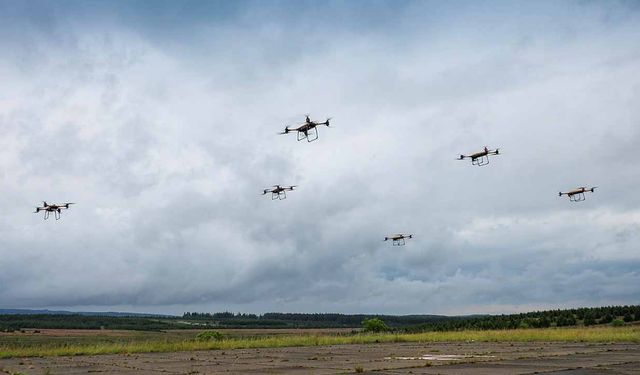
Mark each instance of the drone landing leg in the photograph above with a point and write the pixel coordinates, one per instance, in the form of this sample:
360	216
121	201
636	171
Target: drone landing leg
46	215
274	196
577	197
483	161
282	195
313	133
56	215
302	135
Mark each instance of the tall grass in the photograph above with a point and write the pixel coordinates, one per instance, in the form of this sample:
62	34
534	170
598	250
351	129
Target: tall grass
596	334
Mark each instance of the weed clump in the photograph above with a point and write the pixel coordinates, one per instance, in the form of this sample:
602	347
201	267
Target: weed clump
209	336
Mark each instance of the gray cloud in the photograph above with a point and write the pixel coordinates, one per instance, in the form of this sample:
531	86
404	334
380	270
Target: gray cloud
166	139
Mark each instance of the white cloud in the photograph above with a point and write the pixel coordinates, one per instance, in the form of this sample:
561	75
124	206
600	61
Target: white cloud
166	141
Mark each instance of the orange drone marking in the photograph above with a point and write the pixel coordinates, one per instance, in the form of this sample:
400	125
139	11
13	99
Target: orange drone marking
279	192
308	130
55	208
398	239
577	194
482	157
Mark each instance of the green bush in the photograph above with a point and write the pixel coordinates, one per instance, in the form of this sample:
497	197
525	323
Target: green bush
374	325
608	318
209	336
617	323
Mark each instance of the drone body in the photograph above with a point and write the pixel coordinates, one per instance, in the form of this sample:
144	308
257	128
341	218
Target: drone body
482	157
398	239
55	208
279	192
308	130
577	194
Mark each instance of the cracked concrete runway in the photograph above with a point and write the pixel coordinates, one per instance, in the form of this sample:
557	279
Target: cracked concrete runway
404	358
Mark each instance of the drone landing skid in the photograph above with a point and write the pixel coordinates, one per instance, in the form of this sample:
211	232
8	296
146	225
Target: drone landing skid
399	242
577	197
56	214
484	160
310	135
281	195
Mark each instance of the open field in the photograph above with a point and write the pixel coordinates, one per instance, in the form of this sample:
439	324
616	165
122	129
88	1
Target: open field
123	342
389	358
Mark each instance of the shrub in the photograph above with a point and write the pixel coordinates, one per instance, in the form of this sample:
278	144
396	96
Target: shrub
374	325
617	323
606	319
628	318
209	336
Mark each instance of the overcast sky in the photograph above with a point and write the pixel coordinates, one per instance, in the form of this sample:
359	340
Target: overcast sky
160	120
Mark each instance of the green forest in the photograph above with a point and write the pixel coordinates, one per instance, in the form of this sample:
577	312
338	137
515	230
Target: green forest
586	316
614	315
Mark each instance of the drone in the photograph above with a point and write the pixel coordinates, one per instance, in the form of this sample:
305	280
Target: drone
279	192
480	158
308	130
398	239
577	194
55	208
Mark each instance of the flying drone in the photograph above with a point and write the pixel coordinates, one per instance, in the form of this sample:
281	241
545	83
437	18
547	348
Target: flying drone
480	158
398	239
55	208
279	192
308	130
577	194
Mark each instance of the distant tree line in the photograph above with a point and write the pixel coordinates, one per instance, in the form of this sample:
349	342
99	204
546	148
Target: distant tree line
616	315
586	316
301	320
17	322
416	323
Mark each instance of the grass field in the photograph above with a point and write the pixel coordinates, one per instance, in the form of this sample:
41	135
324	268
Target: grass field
122	342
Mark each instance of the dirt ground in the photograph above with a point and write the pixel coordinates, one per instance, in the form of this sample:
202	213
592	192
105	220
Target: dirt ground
438	358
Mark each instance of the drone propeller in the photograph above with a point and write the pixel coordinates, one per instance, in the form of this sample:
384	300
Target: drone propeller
461	157
327	122
593	188
45	203
497	151
286	130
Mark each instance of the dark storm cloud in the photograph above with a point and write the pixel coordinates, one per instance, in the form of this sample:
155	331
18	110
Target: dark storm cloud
162	126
